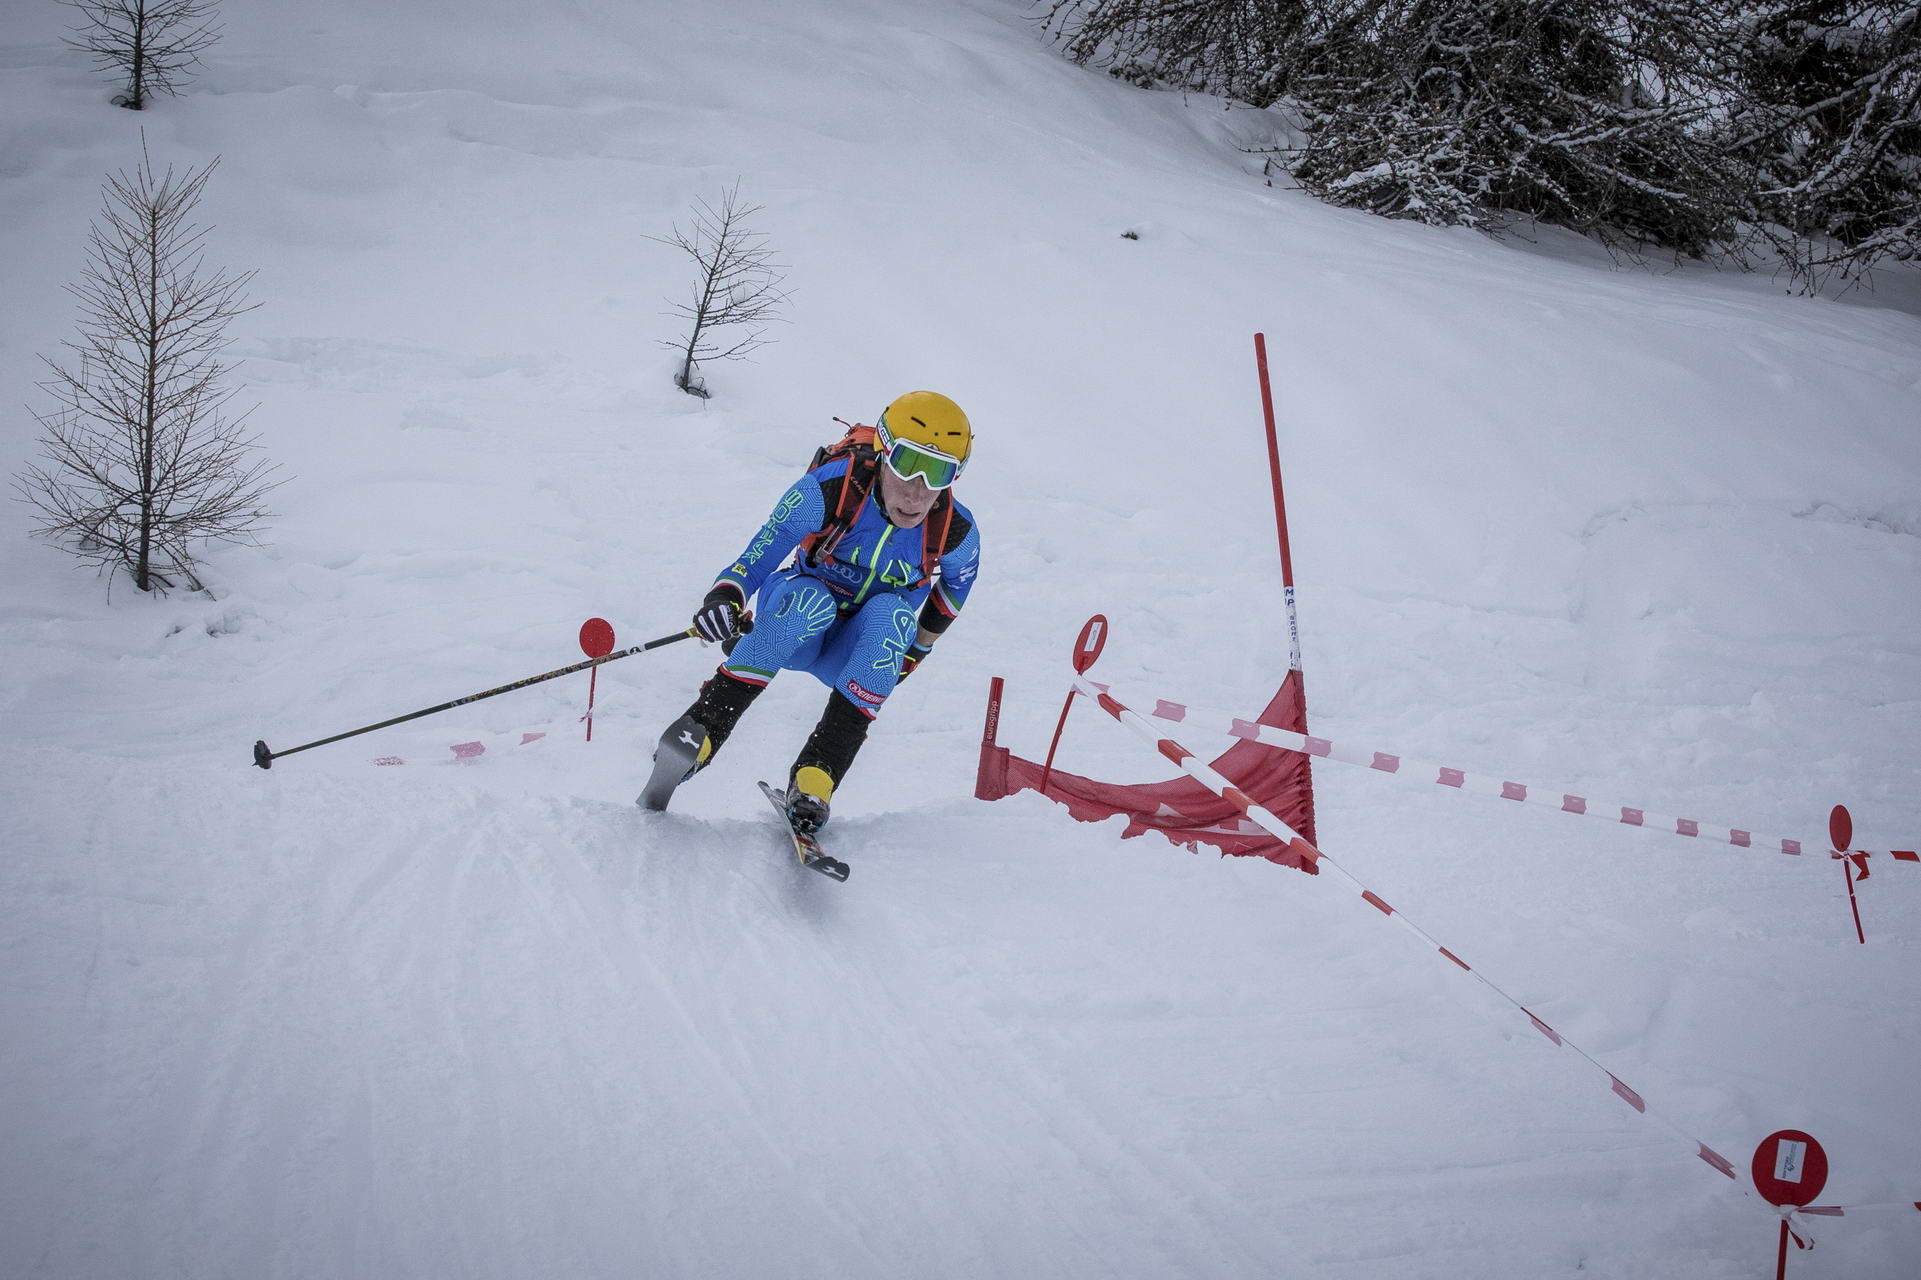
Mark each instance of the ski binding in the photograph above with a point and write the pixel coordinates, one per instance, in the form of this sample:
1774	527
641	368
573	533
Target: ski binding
806	847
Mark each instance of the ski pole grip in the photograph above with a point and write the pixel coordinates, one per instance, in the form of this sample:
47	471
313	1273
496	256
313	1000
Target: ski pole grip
741	628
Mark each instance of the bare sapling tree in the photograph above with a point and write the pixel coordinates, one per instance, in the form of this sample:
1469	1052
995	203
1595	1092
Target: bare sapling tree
738	288
151	43
142	462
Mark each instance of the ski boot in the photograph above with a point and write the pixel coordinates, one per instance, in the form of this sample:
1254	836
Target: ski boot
807	796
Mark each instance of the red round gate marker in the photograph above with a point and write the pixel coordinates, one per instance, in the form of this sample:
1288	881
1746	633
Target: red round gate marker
596	641
1090	642
1087	647
1790	1168
596	638
1841	835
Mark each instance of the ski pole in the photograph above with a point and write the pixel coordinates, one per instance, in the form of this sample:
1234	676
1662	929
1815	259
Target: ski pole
265	758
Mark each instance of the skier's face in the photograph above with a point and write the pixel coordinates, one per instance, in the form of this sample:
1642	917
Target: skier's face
906	502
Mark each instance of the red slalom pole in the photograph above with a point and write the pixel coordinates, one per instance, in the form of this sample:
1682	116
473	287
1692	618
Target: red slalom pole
1847	874
1280	505
593	682
1047	769
1294	669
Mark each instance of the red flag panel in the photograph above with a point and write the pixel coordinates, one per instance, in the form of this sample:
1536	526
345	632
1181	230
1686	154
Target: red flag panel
1181	809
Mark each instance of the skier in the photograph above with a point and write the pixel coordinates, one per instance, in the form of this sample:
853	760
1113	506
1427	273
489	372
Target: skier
884	558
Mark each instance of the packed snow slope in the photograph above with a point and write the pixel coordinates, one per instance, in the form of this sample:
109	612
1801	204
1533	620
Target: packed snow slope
1653	535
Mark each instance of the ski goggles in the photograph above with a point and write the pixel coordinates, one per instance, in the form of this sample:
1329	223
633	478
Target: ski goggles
911	461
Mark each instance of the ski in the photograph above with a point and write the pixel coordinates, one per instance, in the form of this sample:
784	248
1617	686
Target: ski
676	759
806	847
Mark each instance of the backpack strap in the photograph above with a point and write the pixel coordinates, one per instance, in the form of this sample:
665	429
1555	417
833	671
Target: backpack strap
931	544
863	466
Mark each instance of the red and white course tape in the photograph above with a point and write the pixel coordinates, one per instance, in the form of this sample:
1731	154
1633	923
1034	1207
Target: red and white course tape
1421	771
464	751
1225	788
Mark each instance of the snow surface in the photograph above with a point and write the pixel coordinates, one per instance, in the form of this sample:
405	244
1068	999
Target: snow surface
1651	535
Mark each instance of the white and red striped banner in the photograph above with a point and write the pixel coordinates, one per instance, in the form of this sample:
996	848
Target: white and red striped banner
1422	771
1225	788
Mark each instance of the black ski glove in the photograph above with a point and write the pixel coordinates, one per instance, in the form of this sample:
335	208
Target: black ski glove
718	618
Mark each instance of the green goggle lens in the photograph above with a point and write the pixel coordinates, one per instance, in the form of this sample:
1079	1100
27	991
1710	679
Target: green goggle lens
910	462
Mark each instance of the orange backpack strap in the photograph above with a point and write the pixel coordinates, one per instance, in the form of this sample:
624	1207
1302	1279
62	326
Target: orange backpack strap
857	446
932	545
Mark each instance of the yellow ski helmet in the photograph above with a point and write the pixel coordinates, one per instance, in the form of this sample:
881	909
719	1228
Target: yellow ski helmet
924	435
